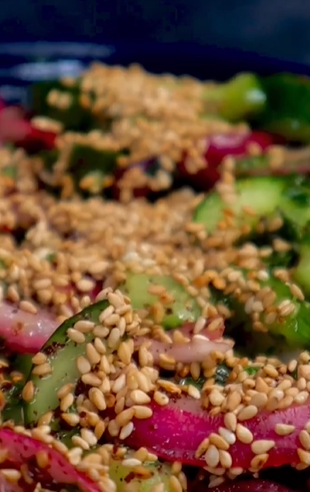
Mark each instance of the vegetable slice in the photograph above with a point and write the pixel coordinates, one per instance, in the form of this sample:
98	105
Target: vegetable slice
20	449
182	425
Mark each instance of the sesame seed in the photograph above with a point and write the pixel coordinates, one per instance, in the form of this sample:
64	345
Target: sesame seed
218	441
212	456
142	412
131	462
304	439
262	446
304	456
75	335
259	461
229	436
83	365
243	434
284	429
225	459
175	484
42	459
139	397
230	421
42	370
247	413
28	391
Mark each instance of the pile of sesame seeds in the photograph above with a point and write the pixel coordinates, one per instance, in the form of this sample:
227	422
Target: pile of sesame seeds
56	253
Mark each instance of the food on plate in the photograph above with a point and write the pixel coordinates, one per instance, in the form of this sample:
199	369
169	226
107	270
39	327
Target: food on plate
161	344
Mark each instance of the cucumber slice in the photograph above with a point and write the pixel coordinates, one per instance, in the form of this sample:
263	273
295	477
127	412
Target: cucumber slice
263	195
301	273
90	167
184	307
61	354
123	475
72	115
295	205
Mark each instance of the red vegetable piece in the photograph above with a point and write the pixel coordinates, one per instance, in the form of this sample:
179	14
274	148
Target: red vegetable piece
139	191
28	332
36	139
13	127
251	485
182	425
222	145
22	449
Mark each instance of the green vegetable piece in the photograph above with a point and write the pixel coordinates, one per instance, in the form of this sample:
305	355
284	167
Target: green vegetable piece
239	98
61	354
123	475
184	307
95	163
9	172
261	194
301	274
287	110
68	111
291	328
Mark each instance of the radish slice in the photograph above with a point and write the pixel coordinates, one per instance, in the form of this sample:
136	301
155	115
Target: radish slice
23	331
13	127
183	424
27	332
213	334
22	449
223	145
197	349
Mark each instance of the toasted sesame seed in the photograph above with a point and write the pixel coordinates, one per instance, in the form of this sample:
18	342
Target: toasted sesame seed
218	441
216	482
131	462
139	397
230	421
262	446
304	456
243	434
284	429
42	370
75	335
39	358
229	436
142	412
97	398
247	413
259	461
28	391
66	402
83	365
42	459
175	484
92	354
28	307
304	439
212	456
84	326
225	459
11	475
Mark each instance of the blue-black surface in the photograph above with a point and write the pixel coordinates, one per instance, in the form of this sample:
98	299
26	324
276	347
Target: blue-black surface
275	27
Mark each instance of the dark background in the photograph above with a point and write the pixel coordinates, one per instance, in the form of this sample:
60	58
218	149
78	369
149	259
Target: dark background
278	28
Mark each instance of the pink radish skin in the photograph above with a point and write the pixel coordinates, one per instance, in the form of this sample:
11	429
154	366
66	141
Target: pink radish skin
22	449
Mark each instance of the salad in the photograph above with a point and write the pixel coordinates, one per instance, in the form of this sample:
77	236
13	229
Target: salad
155	285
